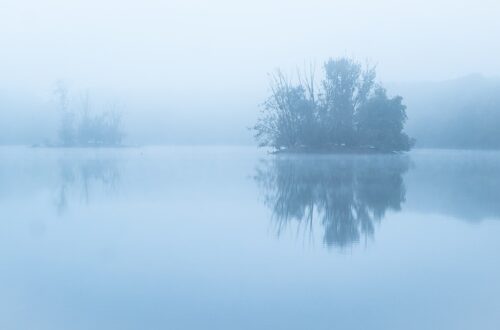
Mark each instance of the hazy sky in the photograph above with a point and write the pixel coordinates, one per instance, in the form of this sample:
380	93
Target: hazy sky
217	53
226	43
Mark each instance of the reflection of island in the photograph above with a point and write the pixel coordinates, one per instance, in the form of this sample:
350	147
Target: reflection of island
79	176
346	195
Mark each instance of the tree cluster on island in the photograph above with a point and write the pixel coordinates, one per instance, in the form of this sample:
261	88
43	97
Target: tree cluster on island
82	127
346	111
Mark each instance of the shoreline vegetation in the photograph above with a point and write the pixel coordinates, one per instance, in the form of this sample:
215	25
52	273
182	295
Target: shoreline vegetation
347	111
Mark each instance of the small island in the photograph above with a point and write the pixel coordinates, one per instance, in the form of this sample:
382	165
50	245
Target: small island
81	127
346	111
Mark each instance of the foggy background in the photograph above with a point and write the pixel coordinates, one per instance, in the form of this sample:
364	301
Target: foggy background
195	72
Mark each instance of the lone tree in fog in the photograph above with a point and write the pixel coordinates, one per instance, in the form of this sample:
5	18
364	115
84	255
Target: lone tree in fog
348	110
86	129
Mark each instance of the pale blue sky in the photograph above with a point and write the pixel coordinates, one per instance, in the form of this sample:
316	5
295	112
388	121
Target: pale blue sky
221	44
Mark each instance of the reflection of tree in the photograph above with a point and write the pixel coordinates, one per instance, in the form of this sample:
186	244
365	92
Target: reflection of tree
345	194
79	176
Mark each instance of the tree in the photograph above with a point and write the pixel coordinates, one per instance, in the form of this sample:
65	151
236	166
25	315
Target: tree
288	117
67	124
86	131
346	87
102	129
380	123
88	128
350	110
107	128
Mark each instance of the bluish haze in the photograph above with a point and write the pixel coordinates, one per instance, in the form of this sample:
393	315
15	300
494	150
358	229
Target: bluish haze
183	223
194	72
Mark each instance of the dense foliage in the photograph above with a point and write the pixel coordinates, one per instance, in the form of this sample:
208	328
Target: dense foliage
349	110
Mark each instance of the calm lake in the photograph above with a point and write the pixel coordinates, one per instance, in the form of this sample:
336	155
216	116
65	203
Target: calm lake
235	238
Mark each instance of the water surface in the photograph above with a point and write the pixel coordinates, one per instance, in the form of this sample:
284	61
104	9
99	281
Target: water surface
234	238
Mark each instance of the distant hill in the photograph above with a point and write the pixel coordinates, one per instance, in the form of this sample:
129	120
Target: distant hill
459	113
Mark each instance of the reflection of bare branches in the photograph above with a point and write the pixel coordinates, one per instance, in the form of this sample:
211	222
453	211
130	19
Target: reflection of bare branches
346	194
82	175
67	179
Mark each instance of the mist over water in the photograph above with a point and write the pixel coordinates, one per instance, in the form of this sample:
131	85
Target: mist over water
224	237
133	194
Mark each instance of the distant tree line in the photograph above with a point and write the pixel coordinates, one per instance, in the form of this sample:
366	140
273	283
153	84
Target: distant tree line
82	127
347	109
